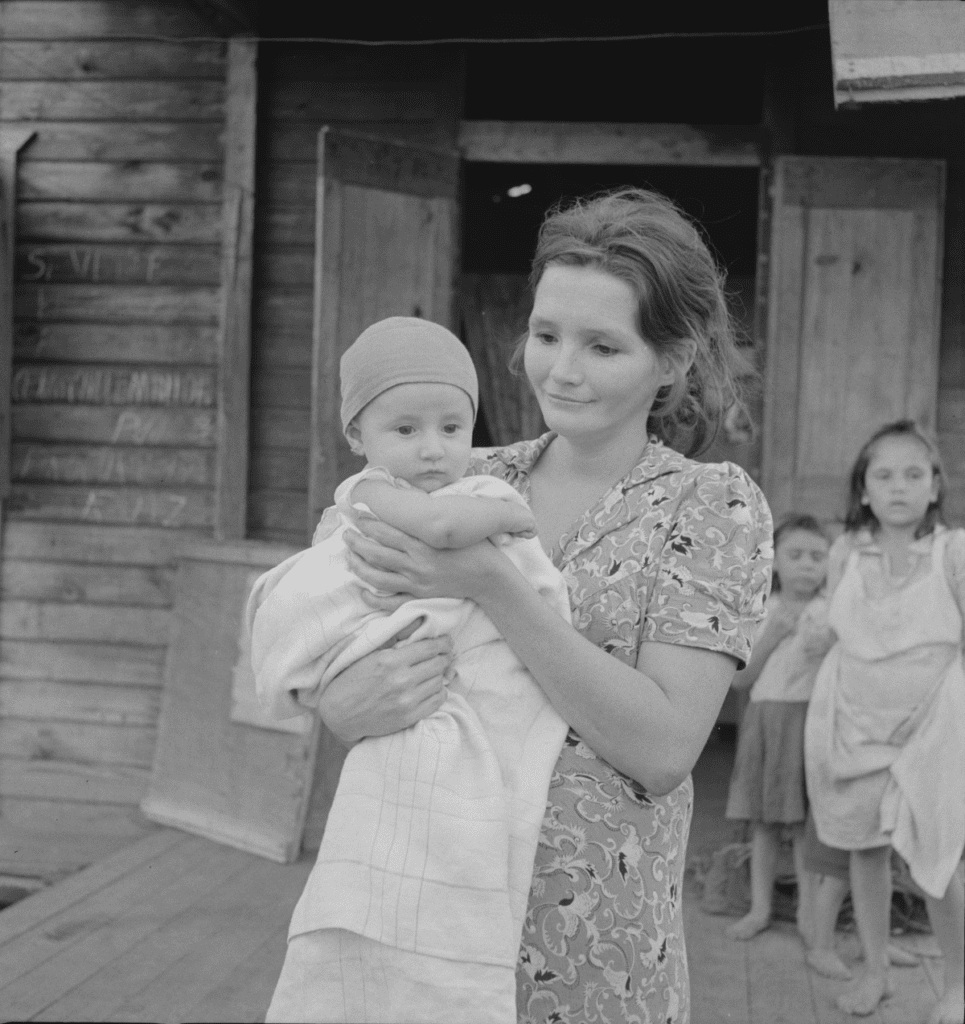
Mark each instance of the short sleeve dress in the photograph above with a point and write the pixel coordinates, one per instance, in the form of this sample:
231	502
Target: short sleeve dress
676	552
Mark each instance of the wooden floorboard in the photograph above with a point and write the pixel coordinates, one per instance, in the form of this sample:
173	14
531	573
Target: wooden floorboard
718	968
179	928
27	913
780	992
245	994
70	924
253	913
173	938
122	917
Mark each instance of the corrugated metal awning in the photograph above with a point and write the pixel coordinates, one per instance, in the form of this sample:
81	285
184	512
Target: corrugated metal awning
897	50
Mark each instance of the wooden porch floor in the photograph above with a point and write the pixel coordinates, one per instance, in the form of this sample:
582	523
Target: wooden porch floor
177	928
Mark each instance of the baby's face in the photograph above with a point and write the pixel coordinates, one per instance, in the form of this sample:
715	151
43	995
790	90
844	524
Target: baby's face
421	433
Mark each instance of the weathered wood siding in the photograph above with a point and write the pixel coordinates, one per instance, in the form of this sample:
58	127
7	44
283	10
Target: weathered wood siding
906	130
408	93
113	398
951	368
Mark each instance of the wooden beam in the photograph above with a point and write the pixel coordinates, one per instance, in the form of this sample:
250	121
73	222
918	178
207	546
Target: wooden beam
231	495
11	142
587	142
229	16
897	50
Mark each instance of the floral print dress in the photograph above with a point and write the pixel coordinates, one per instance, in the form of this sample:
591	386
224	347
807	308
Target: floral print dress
676	552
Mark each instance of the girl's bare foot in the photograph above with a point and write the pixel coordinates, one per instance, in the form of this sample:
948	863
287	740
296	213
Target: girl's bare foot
747	927
862	999
898	956
828	964
950	1009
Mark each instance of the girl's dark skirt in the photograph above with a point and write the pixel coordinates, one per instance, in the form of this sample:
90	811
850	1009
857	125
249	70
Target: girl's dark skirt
767	785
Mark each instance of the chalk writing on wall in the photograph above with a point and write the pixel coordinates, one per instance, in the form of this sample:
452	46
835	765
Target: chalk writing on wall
88	264
108	465
152	508
95	385
133	428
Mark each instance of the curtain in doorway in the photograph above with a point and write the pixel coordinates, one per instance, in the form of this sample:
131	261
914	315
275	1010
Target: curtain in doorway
493	310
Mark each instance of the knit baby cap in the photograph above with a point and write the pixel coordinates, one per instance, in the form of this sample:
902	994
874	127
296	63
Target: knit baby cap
403	350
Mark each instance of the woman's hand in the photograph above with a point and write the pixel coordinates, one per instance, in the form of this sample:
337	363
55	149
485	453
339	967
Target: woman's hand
387	690
400	565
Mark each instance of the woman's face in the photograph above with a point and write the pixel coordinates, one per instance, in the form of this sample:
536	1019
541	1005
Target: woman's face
593	374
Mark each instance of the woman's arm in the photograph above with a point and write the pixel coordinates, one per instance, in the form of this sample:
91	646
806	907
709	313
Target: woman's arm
650	721
452	521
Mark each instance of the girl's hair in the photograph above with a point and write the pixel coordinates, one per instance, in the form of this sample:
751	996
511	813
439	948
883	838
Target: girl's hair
789	524
859	515
799	522
643	239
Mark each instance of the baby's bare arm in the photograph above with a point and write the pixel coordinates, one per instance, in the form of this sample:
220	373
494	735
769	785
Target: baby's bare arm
453	521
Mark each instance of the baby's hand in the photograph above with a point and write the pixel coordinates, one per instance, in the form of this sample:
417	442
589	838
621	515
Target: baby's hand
520	522
782	621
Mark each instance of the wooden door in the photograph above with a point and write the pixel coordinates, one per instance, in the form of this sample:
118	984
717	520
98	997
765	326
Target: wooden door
852	318
384	246
385	234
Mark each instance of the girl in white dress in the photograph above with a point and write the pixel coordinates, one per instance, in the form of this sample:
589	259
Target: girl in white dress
885	730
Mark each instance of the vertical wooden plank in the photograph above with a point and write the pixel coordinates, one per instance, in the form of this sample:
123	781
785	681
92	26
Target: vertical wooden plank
925	315
236	284
12	141
323	467
788	234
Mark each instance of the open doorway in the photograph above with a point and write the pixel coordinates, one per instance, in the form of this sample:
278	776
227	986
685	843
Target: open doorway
503	206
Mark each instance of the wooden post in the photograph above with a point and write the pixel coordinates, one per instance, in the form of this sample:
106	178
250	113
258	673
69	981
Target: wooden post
11	142
231	479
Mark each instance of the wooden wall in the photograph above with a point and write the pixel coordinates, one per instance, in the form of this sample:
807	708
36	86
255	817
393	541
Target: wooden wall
913	129
114	391
116	355
408	93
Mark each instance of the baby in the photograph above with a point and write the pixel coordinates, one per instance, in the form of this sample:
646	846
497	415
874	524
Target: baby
427	857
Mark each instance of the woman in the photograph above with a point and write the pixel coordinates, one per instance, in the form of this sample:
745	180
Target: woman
667	561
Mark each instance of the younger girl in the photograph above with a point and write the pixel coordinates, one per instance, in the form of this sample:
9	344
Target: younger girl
767	786
884	745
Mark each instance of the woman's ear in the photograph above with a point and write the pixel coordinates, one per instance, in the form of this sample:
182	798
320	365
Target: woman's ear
354	437
676	359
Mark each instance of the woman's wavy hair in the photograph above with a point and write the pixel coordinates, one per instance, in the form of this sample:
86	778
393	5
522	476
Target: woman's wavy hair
790	523
642	238
859	515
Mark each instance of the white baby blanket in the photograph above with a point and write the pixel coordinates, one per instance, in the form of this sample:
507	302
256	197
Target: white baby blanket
430	842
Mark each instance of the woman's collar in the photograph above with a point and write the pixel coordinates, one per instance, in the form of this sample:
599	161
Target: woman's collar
656	459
